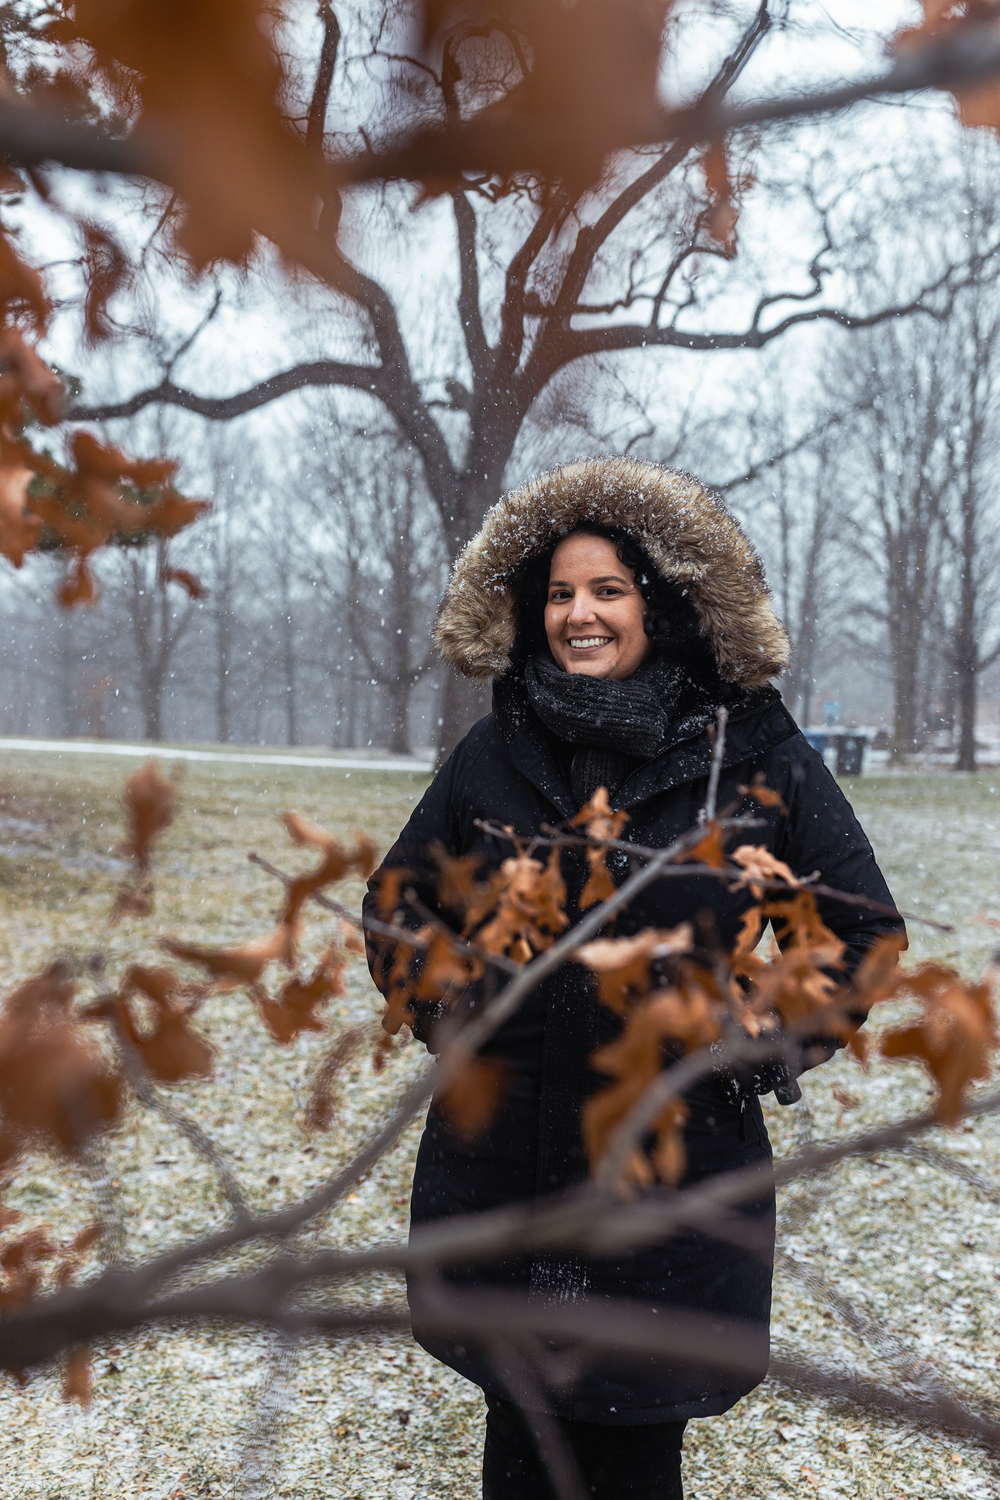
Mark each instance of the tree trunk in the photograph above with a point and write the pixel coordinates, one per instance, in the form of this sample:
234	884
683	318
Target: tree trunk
222	659
398	694
967	647
904	737
967	699
291	695
152	709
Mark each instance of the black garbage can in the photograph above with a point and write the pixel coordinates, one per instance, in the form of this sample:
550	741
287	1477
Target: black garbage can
850	754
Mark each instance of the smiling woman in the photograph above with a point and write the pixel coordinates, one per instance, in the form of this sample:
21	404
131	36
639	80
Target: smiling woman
616	606
595	618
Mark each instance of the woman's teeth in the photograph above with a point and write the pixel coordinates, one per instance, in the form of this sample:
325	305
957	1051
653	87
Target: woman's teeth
584	643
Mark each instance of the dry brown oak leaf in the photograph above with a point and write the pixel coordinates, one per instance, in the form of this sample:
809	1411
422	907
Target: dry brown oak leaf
294	1010
242	965
334	865
622	964
708	850
599	821
953	1038
760	868
171	1050
205	79
687	1016
591	85
149	804
529	914
56	1087
978	103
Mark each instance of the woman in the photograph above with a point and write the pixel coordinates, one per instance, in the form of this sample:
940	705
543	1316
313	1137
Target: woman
616	606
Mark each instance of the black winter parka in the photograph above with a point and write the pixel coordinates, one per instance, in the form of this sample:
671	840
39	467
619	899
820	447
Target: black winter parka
533	1146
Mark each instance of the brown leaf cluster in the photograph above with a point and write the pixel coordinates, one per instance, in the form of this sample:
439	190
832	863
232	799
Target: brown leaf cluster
680	1017
294	1009
24	1262
56	1087
598	821
169	1047
799	988
529	911
518	911
685	1015
954	1037
202	82
103	494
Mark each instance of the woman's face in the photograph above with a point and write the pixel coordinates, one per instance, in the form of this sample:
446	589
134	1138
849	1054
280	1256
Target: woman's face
595	614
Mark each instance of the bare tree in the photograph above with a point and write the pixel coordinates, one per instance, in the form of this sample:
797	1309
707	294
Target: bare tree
547	275
157	613
377	566
898	460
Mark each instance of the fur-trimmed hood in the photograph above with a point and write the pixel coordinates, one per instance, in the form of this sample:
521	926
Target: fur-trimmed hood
687	531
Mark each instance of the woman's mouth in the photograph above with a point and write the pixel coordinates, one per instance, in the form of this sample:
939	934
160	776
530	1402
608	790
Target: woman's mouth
589	642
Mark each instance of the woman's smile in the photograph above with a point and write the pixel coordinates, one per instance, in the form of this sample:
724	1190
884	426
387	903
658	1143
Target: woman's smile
595	617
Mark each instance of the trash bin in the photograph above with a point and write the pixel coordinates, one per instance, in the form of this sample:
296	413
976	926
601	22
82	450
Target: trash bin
850	754
818	741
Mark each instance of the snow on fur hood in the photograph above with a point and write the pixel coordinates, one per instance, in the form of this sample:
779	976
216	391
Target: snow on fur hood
687	531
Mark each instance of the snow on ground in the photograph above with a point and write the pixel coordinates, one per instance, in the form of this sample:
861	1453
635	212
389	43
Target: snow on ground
885	1266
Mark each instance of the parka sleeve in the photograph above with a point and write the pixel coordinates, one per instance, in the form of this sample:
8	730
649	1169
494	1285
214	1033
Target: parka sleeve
432	822
820	832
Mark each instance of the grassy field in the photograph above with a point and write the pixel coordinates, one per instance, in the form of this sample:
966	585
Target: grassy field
883	1264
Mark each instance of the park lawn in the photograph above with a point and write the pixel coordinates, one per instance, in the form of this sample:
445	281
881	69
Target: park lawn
882	1263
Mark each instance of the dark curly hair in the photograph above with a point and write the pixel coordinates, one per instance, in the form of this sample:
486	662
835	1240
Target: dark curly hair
672	623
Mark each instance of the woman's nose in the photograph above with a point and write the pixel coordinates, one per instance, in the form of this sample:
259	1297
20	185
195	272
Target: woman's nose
582	609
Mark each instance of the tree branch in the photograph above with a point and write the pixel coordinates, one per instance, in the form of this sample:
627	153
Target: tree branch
318	104
320	372
469	312
625	336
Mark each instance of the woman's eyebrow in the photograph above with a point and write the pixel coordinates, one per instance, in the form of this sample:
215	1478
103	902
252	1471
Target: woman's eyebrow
604	578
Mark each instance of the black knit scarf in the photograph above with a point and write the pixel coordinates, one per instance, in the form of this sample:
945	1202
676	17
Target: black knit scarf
611	725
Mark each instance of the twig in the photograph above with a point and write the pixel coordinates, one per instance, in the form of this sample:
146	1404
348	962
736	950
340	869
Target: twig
94	1160
372	924
319	1107
254	1481
718	738
586	1221
146	1092
945	1162
940	1412
460	944
552	836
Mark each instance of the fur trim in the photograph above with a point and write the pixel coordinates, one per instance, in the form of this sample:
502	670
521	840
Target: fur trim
687	531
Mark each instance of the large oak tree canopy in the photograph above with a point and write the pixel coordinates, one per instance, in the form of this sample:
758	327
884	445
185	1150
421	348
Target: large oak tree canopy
585	200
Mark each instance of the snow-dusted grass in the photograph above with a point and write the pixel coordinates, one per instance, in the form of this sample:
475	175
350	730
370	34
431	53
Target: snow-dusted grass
885	1266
